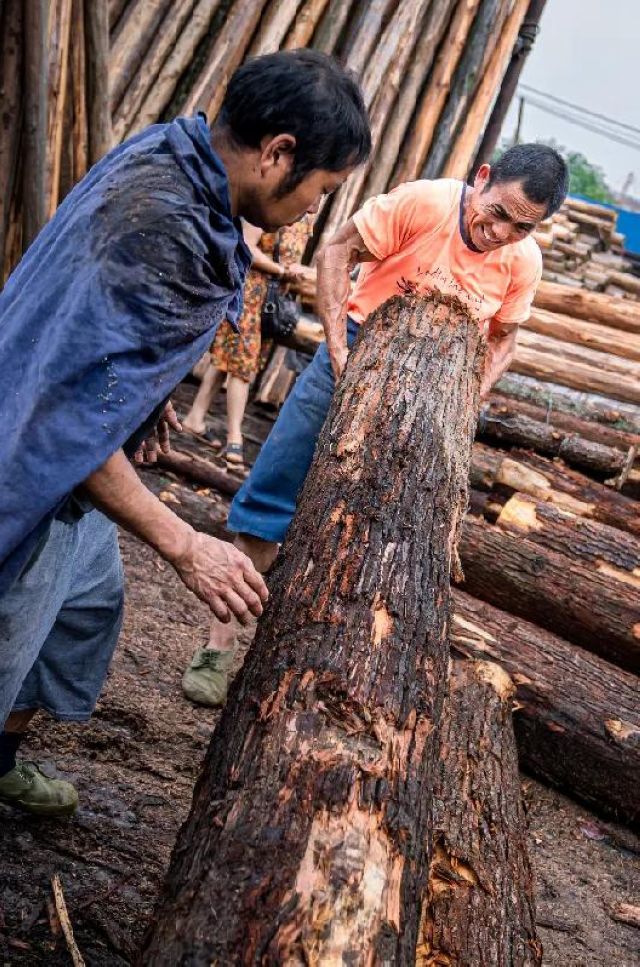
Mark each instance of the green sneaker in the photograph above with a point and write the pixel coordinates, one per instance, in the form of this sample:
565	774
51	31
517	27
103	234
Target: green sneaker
29	789
206	680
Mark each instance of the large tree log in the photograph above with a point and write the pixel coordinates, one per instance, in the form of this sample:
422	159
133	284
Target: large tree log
555	483
567	422
226	53
572	365
592	306
463	85
588	406
306	839
606	549
419	66
163	39
592	335
463	149
416	146
177	62
521	431
578	717
96	28
479	909
583	605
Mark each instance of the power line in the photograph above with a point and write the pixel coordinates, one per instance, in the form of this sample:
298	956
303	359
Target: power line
565	116
578	107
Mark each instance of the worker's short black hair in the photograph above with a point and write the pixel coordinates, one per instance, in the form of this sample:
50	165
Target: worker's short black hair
542	171
306	94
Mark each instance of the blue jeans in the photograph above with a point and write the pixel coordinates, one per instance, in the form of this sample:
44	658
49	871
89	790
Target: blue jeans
265	504
59	622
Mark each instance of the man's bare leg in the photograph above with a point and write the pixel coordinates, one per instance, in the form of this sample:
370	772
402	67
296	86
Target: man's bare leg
212	381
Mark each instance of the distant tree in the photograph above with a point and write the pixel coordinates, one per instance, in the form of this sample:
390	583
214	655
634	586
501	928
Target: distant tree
585	178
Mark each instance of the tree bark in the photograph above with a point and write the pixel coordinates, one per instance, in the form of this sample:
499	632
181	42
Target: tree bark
589	406
586	428
134	37
416	146
554	483
592	306
11	73
96	29
306	839
463	85
35	119
400	119
571	365
577	721
148	67
479	907
520	431
585	606
591	335
606	549
226	53
163	88
463	149
273	27
305	24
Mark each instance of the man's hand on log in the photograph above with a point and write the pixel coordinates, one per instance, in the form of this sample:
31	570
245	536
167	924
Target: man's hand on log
223	577
159	441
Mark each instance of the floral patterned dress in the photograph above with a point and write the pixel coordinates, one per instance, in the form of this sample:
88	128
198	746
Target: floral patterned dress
244	353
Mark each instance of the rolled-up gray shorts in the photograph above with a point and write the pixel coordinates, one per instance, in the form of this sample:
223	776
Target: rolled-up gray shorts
60	621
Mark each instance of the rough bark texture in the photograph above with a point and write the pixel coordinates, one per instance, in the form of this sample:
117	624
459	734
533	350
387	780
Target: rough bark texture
577	718
306	839
584	606
521	431
606	549
479	908
593	306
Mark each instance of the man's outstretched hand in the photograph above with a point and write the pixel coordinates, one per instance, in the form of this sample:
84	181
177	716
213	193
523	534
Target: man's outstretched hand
159	441
221	576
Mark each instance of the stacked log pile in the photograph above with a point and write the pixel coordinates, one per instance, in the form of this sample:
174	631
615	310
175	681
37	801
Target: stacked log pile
78	77
581	247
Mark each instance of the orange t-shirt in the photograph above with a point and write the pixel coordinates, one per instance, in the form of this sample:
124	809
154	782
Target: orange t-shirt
414	233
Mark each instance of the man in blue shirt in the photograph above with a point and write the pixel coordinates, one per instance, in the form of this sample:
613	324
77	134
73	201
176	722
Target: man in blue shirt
112	305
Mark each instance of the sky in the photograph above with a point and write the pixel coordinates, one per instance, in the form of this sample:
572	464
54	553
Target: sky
587	52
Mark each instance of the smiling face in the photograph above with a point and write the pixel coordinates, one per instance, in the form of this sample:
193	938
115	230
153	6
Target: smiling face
499	215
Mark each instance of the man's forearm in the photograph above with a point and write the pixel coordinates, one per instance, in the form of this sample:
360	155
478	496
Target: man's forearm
333	290
118	492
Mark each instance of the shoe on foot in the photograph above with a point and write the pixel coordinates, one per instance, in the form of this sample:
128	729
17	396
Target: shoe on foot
29	789
206	680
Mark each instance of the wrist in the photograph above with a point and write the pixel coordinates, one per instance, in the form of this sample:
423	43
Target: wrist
174	541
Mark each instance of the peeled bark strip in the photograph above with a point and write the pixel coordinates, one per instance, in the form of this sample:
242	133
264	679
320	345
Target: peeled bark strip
479	908
592	306
306	839
520	431
608	550
577	718
571	599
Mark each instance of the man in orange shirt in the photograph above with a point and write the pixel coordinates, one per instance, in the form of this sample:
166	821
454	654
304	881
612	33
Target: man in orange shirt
473	241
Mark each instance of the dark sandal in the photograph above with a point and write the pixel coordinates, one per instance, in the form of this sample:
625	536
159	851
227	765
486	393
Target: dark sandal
234	456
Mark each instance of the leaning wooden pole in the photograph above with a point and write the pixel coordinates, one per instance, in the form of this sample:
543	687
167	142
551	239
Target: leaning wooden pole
305	842
479	908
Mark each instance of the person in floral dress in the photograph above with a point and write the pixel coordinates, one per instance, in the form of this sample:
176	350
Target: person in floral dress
239	356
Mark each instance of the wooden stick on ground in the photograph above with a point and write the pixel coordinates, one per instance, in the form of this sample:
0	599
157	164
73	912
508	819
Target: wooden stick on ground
65	922
311	814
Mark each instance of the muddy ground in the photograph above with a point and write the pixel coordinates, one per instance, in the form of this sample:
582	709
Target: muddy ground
135	765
